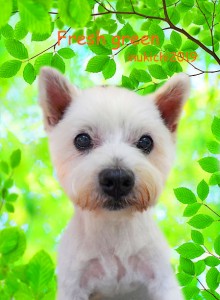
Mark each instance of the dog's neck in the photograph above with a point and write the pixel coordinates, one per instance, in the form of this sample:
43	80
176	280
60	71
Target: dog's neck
108	229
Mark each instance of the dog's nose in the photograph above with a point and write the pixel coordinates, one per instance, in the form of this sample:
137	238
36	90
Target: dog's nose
116	182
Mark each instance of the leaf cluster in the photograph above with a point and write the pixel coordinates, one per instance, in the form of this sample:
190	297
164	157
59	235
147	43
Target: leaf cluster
196	260
33	280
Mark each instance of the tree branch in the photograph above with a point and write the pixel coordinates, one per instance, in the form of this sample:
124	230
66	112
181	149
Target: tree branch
165	19
132	6
211	209
207	251
128	44
212	27
207	22
206	289
128	13
102	5
52	46
201	45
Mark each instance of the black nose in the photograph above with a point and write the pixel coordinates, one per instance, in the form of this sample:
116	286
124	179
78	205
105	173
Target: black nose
116	182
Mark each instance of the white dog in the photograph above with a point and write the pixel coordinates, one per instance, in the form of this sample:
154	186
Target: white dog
112	150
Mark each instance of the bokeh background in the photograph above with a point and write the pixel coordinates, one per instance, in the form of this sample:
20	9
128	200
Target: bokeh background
42	209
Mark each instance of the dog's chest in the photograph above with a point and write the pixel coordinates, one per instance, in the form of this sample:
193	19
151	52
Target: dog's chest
110	273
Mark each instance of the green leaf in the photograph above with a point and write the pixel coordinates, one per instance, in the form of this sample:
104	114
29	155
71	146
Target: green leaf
188	2
176	39
217	245
20	31
8	239
140	75
6	10
130	51
157	71
38	37
7	31
189	45
100	49
123	5
12	197
59	24
149	50
4	166
10	68
4	193
109	69
197	237
127	83
199	267
66	53
209	295
214	147
16	48
24	293
173	15
145	26
190	291
34	14
43	60
184	279
216	128
201	221
9	207
29	73
202	190
215	179
210	164
126	30
97	63
40	272
191	209
185	195
194	30
212	278
58	63
156	34
18	250
8	183
187	265
15	158
74	13
212	261
149	89
190	250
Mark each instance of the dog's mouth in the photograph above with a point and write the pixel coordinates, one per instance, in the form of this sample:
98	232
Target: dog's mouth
113	204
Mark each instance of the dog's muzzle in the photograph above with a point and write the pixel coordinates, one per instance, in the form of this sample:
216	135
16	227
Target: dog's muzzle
116	184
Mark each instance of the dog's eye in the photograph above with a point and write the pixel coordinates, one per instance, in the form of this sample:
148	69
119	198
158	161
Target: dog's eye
145	143
83	141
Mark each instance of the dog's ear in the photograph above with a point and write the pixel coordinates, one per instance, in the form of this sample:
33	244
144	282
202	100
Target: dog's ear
55	95
170	99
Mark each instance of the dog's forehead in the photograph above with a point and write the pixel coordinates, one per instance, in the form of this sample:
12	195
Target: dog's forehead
113	107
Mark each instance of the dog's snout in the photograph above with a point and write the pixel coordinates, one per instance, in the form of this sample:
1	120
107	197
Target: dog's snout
116	182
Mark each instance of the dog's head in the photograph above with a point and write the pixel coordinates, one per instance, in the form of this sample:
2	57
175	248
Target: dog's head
112	148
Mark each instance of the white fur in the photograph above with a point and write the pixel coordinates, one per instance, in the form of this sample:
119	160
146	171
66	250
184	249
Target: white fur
113	254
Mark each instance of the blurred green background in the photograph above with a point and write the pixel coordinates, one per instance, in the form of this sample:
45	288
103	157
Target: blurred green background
42	209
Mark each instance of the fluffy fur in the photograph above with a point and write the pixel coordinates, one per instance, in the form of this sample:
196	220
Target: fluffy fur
112	254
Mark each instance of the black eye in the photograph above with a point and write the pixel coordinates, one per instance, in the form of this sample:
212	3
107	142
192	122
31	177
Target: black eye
83	141
145	143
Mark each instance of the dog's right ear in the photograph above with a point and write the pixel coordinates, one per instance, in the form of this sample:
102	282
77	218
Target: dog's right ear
55	95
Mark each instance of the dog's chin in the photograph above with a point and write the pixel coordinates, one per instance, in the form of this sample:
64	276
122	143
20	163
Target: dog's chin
113	204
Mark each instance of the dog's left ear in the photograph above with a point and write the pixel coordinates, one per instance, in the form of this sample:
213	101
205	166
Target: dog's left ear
170	99
55	95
